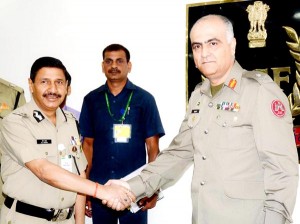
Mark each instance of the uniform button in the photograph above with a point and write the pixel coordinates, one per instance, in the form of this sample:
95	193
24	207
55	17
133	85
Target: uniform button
224	124
210	104
112	171
46	153
204	157
62	199
206	131
202	183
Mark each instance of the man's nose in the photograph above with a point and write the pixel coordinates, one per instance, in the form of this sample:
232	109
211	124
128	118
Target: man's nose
114	64
205	51
53	87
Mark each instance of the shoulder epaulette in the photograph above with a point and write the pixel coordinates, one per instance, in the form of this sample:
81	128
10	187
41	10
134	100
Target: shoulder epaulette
11	85
198	85
260	77
21	114
68	114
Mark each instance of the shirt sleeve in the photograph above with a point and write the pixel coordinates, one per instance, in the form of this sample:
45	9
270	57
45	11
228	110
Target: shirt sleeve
153	124
85	120
274	218
168	167
18	142
273	130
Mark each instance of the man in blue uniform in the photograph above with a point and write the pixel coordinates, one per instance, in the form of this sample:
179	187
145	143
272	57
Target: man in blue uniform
117	120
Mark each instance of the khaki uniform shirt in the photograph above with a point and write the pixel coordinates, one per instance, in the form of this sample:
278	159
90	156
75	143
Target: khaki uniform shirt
242	145
27	135
11	97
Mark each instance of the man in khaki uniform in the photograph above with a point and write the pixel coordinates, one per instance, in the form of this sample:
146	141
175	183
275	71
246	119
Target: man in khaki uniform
43	165
238	133
11	97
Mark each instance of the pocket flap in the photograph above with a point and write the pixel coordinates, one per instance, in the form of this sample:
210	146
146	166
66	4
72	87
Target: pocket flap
245	189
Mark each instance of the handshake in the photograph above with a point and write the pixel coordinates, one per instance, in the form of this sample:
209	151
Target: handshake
116	194
123	196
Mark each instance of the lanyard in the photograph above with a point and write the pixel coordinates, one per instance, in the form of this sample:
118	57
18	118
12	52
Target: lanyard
126	108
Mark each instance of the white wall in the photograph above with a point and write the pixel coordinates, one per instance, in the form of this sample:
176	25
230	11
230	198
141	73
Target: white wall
76	31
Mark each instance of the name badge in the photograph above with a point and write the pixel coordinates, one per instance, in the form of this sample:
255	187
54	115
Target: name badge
195	111
43	141
66	162
122	133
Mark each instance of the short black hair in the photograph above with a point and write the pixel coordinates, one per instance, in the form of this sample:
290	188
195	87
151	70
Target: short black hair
117	47
48	62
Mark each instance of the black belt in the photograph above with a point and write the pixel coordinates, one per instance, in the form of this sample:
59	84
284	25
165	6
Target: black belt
48	214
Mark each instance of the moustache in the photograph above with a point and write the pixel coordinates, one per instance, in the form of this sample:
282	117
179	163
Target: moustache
114	70
57	95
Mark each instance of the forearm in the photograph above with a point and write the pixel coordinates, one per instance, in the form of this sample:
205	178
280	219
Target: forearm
87	147
80	209
160	174
167	168
152	144
61	178
113	196
137	186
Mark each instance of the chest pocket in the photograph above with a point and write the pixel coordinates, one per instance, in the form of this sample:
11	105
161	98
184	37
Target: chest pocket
44	141
233	131
44	145
193	118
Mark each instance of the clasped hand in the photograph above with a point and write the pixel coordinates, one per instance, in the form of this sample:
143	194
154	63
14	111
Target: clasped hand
118	195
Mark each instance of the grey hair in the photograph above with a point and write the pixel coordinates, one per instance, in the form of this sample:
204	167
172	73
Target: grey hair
227	22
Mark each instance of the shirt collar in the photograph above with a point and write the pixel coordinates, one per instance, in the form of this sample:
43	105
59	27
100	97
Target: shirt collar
37	114
129	85
233	81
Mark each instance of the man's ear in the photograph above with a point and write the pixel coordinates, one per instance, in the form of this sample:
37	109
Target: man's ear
68	90
30	83
233	45
129	67
102	66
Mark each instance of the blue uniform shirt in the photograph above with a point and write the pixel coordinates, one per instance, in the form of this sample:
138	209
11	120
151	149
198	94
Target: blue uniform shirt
111	159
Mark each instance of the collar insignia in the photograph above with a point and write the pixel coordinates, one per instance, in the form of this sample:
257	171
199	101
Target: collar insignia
38	116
